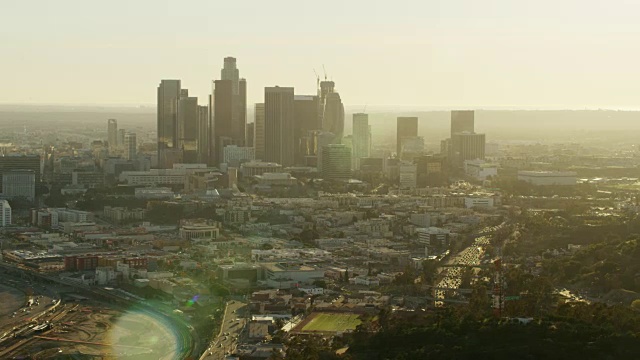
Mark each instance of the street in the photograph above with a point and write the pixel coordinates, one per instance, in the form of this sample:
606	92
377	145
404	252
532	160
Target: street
232	324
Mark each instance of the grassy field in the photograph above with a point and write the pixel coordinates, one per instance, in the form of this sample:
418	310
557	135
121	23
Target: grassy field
331	322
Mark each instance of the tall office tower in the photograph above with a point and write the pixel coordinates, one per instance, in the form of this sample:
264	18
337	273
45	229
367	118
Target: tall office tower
462	121
19	183
112	133
188	127
230	72
229	108
467	146
48	163
120	140
20	162
258	131
168	95
203	134
278	125
305	109
331	110
5	213
361	139
407	128
249	137
336	161
130	146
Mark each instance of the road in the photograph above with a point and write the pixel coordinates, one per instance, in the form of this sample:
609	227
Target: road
232	324
470	256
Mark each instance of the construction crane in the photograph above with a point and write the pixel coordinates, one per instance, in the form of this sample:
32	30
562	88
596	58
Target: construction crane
317	79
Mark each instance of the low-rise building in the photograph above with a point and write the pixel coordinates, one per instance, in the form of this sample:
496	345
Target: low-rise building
546	178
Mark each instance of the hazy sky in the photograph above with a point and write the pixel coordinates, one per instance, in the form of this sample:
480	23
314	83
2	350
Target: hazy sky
458	53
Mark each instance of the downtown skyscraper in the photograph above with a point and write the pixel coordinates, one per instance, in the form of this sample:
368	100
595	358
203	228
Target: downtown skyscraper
407	128
279	125
462	121
331	110
167	122
361	139
112	133
228	111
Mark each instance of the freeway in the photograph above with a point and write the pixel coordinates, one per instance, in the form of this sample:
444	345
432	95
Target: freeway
470	257
230	330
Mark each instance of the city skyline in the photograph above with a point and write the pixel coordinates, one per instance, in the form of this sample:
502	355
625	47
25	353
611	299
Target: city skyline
509	43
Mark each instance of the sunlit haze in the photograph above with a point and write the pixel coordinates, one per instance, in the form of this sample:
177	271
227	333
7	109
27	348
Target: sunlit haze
496	53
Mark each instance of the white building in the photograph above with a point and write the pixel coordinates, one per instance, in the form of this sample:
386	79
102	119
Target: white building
254	168
434	237
545	178
153	177
480	201
480	169
199	231
74	216
276	179
154	193
5	213
105	274
287	275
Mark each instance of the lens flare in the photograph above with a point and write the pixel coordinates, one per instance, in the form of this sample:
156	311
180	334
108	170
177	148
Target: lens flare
141	333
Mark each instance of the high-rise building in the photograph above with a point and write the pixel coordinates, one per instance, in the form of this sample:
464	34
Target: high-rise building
467	146
333	119
230	72
331	110
5	213
258	130
203	134
167	114
188	127
112	133
229	108
361	139
336	161
130	146
278	125
462	121
120	140
407	128
20	162
306	119
19	183
249	136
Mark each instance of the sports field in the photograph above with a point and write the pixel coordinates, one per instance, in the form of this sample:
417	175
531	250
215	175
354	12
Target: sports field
332	322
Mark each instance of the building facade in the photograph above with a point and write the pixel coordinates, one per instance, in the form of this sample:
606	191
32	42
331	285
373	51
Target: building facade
336	161
167	118
407	127
279	121
361	139
19	183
